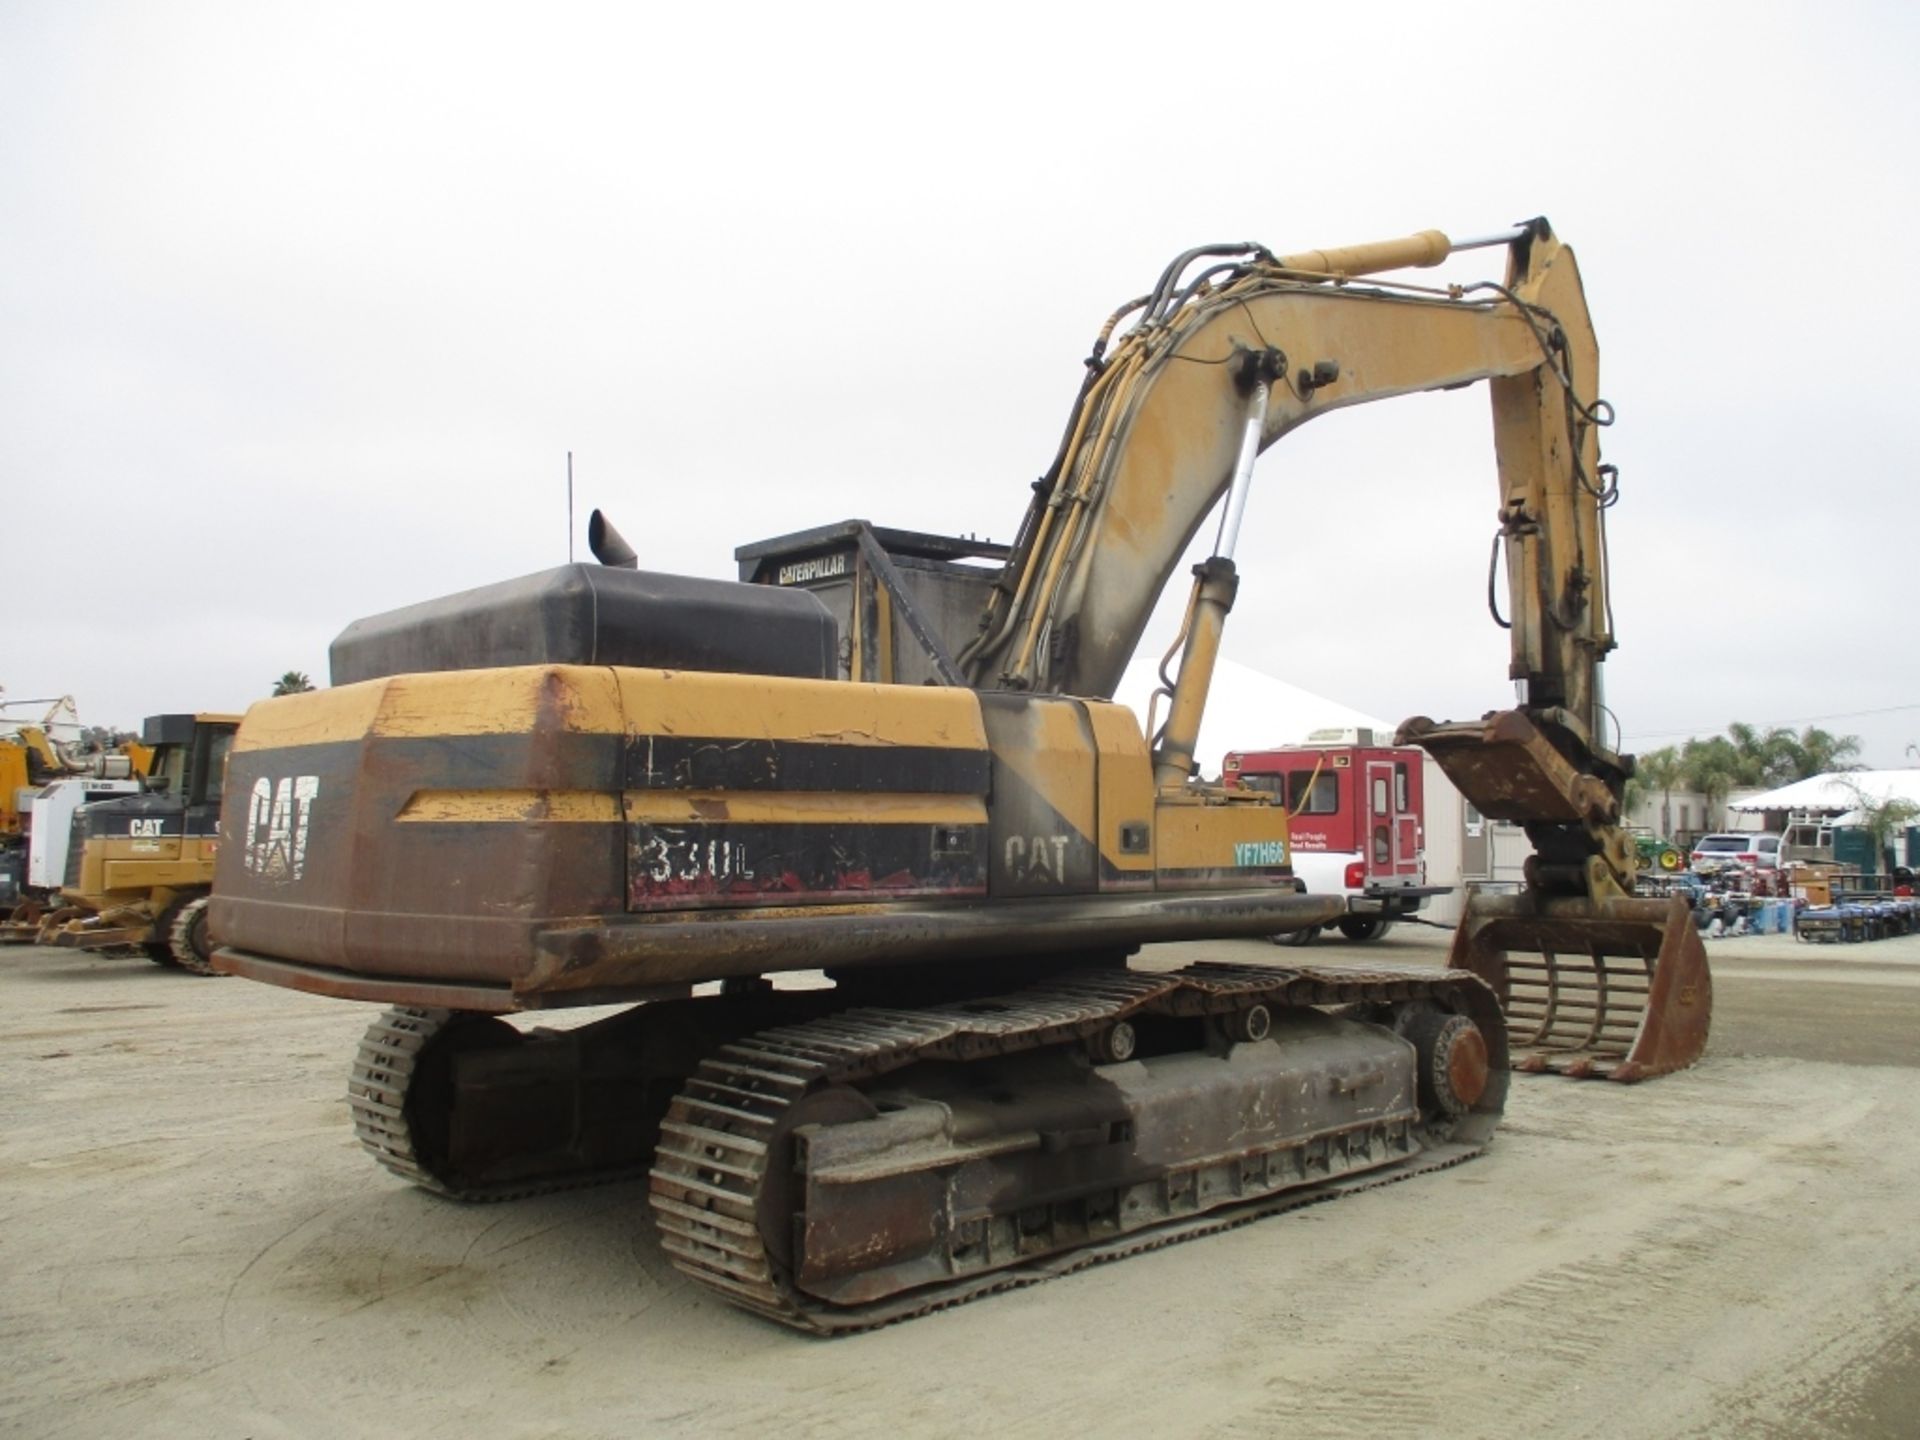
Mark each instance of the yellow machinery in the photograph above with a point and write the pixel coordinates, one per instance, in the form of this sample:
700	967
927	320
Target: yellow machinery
902	769
139	867
27	761
31	761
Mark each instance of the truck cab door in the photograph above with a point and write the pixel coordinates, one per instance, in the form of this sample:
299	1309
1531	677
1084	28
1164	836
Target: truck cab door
1406	822
1378	835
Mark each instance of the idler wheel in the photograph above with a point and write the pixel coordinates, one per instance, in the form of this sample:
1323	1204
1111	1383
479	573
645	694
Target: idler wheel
1113	1045
1251	1024
1454	1069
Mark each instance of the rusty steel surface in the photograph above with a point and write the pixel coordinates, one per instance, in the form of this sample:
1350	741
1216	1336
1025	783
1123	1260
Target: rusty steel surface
608	957
758	1198
1616	989
561	851
621	958
83	935
338	985
1508	769
1468	1067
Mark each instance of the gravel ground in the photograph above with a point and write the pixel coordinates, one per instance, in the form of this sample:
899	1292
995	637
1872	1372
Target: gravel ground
192	1243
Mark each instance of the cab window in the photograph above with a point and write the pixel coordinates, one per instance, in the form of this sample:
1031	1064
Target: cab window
213	773
1311	794
169	769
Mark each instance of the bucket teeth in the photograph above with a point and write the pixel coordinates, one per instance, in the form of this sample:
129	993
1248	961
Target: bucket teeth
1612	988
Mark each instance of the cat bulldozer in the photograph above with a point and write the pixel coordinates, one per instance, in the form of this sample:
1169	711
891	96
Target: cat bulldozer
891	760
138	868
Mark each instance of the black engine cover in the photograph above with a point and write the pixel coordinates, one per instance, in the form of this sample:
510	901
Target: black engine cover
596	615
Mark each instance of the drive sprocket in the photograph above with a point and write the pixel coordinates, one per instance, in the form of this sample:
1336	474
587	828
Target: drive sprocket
187	941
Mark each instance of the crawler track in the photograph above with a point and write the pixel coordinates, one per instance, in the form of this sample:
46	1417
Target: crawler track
720	1150
385	1067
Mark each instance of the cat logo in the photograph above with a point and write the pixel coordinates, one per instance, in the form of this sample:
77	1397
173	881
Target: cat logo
279	816
146	829
1041	860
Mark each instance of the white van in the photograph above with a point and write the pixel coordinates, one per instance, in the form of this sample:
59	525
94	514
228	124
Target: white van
1758	849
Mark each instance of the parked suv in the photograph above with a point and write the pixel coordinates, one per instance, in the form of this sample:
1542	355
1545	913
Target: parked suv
1762	850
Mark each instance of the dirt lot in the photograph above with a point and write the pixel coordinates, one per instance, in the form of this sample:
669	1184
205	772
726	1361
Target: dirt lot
192	1243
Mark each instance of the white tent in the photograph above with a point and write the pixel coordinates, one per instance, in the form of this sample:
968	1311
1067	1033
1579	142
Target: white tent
1247	710
1836	792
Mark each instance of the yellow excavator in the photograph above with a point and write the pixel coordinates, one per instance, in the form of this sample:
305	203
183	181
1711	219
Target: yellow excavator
893	761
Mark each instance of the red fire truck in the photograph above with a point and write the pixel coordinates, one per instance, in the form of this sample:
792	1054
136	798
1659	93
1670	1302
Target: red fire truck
1358	822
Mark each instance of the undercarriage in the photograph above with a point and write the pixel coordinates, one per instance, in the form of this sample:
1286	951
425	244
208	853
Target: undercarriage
835	1165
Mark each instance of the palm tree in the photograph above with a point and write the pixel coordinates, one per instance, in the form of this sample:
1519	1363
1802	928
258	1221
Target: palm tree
1815	752
1662	771
294	682
1711	767
1761	756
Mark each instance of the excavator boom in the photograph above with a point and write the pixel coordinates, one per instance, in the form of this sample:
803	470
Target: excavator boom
1156	440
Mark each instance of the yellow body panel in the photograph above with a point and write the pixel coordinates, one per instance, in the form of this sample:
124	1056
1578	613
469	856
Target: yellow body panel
137	875
510	806
1192	837
1053	761
1125	785
802	807
13	779
112	871
688	807
755	707
601	700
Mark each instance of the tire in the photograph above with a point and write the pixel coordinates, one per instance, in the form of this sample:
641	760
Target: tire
187	939
1296	937
1362	928
1669	860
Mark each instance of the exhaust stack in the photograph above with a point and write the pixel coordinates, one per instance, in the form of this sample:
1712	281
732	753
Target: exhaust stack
608	545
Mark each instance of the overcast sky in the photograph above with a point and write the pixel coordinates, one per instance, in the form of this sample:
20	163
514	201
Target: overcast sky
303	306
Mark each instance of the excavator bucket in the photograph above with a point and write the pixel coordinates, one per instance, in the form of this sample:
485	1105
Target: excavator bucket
1610	986
1616	988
